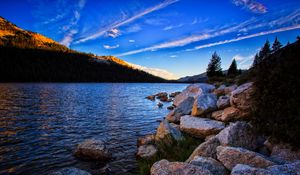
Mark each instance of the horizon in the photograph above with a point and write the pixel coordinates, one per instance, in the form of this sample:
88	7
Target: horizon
173	38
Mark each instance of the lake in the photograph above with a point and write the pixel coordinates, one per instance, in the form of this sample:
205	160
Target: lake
41	124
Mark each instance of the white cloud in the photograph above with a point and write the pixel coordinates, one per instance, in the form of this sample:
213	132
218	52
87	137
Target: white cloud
111	47
244	62
157	72
127	21
113	33
251	5
173	56
172	27
132	41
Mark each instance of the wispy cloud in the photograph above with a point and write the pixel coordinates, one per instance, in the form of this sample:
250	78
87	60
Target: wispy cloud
131	41
114	33
244	62
246	37
173	27
111	47
173	56
251	5
71	28
126	21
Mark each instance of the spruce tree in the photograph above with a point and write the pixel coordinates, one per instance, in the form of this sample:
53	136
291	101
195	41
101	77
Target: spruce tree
276	45
256	61
232	71
265	50
214	67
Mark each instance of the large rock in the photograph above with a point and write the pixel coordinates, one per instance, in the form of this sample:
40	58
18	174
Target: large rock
164	167
217	115
166	132
223	102
241	97
193	91
204	103
146	151
70	171
239	134
200	127
284	153
231	156
229	89
93	150
184	108
211	164
220	90
146	140
286	169
206	149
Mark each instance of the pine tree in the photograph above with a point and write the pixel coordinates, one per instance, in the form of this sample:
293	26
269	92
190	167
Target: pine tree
232	71
214	67
265	50
276	45
256	61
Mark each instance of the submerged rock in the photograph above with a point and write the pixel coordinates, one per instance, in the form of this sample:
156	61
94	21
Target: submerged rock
146	151
193	91
93	150
200	127
239	134
160	105
211	164
204	103
231	156
70	171
164	167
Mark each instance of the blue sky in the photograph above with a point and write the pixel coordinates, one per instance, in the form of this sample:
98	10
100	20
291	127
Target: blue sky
171	38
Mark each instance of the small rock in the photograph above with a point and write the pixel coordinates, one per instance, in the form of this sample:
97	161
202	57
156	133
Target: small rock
164	167
170	107
231	156
204	103
239	134
241	97
200	127
223	102
166	132
146	151
174	94
231	114
217	115
206	149
146	140
160	105
211	164
151	97
70	171
92	150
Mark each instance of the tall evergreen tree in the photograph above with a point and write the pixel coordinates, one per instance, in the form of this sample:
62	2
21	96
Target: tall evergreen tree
256	61
265	50
276	45
232	71
214	67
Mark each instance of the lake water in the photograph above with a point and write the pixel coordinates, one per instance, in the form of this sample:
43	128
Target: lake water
40	124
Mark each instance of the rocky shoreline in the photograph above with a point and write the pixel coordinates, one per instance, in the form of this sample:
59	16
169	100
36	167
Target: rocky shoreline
220	116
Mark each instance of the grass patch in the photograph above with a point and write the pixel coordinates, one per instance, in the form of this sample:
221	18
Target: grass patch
172	151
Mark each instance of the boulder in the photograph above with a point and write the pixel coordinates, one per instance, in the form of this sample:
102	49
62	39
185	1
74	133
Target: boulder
220	90
229	89
231	156
166	132
161	95
211	164
200	127
193	91
93	150
174	94
204	103
239	134
146	140
241	97
223	102
217	115
70	171
146	151
164	167
286	169
284	153
206	149
231	114
184	108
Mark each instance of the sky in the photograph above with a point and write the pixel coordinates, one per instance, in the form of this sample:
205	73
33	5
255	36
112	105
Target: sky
169	38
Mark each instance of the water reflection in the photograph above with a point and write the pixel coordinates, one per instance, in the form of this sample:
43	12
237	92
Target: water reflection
40	124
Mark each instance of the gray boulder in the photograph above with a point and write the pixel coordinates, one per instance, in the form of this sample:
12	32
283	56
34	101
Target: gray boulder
184	108
211	164
146	151
223	102
200	127
284	153
239	134
204	103
147	139
166	132
164	167
70	171
241	169
231	156
241	97
93	149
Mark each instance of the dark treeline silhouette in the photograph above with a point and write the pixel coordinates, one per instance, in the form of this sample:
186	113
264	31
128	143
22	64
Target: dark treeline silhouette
38	65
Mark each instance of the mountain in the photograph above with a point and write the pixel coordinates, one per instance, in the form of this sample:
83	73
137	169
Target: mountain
27	56
193	79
